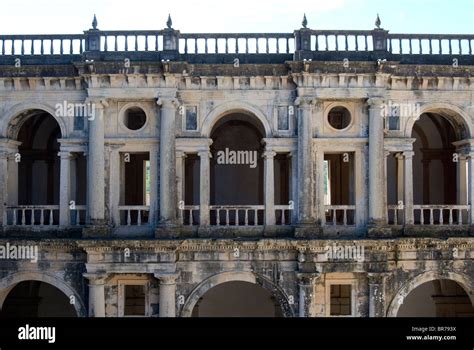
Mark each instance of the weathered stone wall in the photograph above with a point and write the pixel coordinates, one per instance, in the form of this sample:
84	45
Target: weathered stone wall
288	267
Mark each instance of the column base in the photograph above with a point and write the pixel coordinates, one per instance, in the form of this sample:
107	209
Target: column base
275	231
204	232
308	230
168	231
379	231
471	230
96	230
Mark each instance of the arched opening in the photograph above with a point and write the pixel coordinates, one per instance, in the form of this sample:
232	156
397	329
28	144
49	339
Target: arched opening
244	179
237	159
39	165
34	172
37	299
236	174
437	169
237	299
433	168
437	298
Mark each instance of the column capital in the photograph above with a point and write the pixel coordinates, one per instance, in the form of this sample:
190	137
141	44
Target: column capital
168	278
307	278
66	155
181	154
97	102
376	277
167	102
12	155
386	153
269	154
113	147
375	102
303	101
399	155
9	144
95	278
205	154
408	154
4	154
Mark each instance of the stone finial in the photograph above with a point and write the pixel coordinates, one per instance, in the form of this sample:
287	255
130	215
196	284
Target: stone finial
305	21
169	22
94	22
378	22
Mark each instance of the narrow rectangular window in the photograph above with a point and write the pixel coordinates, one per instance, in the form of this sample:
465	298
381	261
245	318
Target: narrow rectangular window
283	118
78	123
134	303
191	118
393	123
341	300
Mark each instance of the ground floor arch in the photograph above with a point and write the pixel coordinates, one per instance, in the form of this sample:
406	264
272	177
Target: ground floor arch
434	295
37	299
27	294
237	294
237	299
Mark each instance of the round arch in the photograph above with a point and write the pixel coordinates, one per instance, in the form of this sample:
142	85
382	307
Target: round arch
453	113
236	276
9	282
230	107
428	276
15	111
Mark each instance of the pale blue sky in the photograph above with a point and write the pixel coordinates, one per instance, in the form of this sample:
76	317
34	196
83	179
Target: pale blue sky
399	16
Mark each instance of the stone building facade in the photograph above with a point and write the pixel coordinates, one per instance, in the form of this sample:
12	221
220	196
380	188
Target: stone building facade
314	173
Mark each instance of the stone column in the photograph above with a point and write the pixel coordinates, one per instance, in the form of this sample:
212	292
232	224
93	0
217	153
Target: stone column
386	154
462	180
180	158
167	293
376	294
306	293
8	176
114	185
154	185
65	188
269	188
167	160
12	178
294	185
400	181
96	294
408	188
360	188
96	166
319	190
377	190
204	188
471	187
305	162
73	176
3	186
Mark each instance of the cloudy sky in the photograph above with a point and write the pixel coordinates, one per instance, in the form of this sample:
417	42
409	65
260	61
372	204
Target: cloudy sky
399	16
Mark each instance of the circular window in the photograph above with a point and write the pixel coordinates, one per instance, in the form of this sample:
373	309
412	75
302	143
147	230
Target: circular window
339	117
134	118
